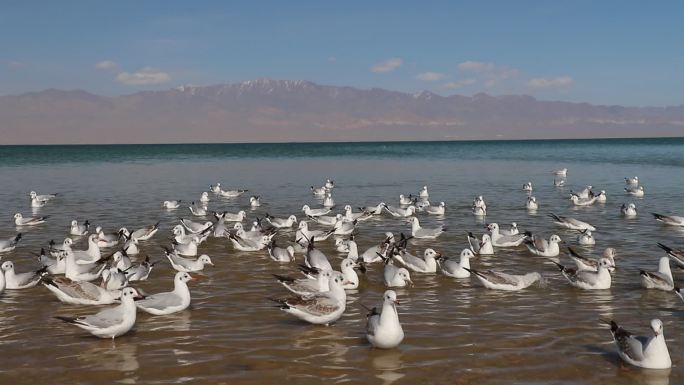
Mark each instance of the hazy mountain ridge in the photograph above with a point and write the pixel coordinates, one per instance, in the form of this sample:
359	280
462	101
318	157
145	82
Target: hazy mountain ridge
297	110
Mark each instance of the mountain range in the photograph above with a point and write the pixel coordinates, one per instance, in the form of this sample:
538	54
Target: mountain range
301	111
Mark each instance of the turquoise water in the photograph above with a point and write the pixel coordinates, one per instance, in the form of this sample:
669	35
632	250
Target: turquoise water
657	151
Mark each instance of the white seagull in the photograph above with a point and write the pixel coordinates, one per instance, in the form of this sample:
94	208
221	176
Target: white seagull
527	187
571	223
15	280
9	244
436	210
586	238
383	329
542	247
584	263
320	309
419	232
255	201
497	280
171	205
531	204
562	172
19	220
671	220
455	269
480	247
168	302
280	254
80	292
649	352
314	212
500	240
187	265
628	210
661	279
427	264
637	191
401	212
588	280
42	198
281	223
112	322
77	229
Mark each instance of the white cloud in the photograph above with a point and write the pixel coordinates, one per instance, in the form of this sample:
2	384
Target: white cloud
107	65
459	84
431	76
490	73
146	76
559	82
388	65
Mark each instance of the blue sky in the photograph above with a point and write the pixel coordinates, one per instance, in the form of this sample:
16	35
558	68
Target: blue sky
605	52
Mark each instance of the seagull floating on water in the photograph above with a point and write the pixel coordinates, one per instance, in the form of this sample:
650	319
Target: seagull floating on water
15	280
527	186
383	329
637	191
628	210
455	269
320	309
586	238
77	229
80	292
588	280
661	279
19	220
562	172
280	254
671	220
171	205
542	247
9	244
644	352
500	240
584	263
497	280
168	302
531	204
419	232
571	223
187	265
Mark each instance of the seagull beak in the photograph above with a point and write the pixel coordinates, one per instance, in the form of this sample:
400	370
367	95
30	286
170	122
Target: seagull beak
397	302
139	297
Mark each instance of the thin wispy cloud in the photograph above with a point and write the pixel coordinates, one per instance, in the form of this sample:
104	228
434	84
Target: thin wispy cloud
431	76
459	84
146	76
143	77
555	83
14	64
490	73
107	65
388	65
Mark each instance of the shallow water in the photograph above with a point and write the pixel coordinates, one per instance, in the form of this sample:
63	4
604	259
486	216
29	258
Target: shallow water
456	331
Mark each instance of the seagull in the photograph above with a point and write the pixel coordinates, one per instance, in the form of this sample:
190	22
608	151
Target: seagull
187	249
394	276
180	236
577	201
328	201
320	309
91	255
500	240
77	229
374	210
401	212
231	193
314	212
80	271
9	244
419	232
319	191
131	246
531	204
601	197
558	182
280	254
79	292
248	243
383	329
571	223
215	188
204	198
168	302
632	181
187	265
144	233
407	200
195	227
436	210
171	205
588	280
106	240
55	265
304	234
344	227
671	220
316	258
480	247
584	263
454	269
586	193
661	279
281	223
480	211
562	172
497	280
329	184
113	279
238	217
141	271
637	191
371	254
326	220
527	186
19	220
35	203
676	254
20	280
427	264
308	286
198	211
542	247
255	201
112	322
42	198
347	266
586	238
628	210
641	351
512	231
423	194
350	216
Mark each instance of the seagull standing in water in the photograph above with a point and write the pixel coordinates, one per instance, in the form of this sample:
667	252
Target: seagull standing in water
112	322
641	351
383	329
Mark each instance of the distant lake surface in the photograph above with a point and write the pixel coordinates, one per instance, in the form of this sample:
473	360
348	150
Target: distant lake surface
457	331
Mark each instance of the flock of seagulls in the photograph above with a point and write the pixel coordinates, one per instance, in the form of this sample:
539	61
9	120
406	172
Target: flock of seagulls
318	295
